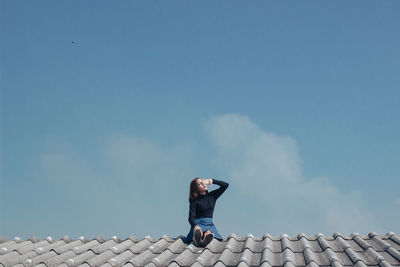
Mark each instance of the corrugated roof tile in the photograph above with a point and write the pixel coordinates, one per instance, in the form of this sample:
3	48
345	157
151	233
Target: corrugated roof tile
164	258
39	258
143	258
204	258
177	246
120	259
80	258
159	246
58	259
234	245
121	247
61	249
141	246
394	253
248	251
20	258
98	259
229	258
9	258
84	247
101	247
188	256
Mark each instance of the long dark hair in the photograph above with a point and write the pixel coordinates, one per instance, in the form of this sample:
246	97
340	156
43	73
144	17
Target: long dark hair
193	190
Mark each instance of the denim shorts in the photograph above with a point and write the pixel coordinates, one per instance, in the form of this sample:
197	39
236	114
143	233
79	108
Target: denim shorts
205	224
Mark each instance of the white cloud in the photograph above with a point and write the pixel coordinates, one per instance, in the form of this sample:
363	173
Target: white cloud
266	168
131	186
140	158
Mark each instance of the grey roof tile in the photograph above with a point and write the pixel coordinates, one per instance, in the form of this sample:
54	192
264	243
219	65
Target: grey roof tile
251	244
121	258
273	245
7	247
383	245
211	259
84	247
326	257
66	238
172	264
289	264
248	251
285	243
100	248
229	258
385	264
28	246
159	246
375	256
188	256
216	246
9	258
47	248
394	253
141	246
312	264
67	246
267	256
59	258
143	258
393	243
21	258
118	248
34	239
177	246
395	238
324	243
234	245
80	258
98	259
243	264
217	264
39	258
205	258
309	255
250	258
164	258
360	264
354	256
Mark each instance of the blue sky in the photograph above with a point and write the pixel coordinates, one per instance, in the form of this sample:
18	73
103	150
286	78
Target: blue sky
109	109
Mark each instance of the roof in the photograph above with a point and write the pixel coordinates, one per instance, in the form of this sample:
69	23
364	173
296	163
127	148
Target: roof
301	250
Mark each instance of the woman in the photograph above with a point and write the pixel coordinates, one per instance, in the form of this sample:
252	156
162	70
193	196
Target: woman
202	203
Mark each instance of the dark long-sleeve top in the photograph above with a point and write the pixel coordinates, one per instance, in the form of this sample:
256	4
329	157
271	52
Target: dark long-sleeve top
204	205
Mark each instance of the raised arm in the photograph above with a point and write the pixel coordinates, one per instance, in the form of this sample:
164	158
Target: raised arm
192	214
222	187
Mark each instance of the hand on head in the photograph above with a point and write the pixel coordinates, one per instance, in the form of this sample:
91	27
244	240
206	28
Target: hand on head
207	181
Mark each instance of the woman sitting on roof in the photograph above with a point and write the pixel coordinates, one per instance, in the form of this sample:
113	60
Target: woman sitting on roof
202	203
